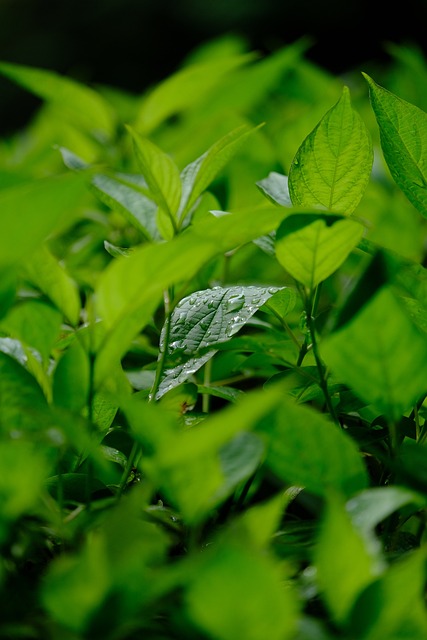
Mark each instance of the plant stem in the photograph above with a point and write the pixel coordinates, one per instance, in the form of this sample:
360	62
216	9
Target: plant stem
129	466
163	346
206	382
311	304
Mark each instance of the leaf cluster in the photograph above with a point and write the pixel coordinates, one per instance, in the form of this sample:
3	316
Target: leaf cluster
213	354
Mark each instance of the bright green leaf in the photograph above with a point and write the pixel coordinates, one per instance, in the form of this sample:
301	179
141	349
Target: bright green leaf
306	449
183	90
80	104
24	470
35	323
128	195
160	173
238	593
403	135
201	321
76	585
313	246
332	167
197	176
45	272
344	564
381	354
394	605
71	378
23	403
43	207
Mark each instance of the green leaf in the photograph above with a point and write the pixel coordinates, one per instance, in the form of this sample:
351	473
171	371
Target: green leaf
160	173
236	592
331	169
44	205
197	176
313	246
8	285
24	470
76	585
23	403
71	378
201	321
127	194
381	355
282	302
344	563
45	272
276	188
130	289
394	605
308	450
36	323
370	507
183	90
403	135
79	103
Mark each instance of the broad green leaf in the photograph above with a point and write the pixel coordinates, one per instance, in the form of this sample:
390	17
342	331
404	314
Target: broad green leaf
276	188
403	135
36	323
282	302
239	459
128	195
45	272
201	321
331	169
261	521
313	246
71	378
76	585
306	449
183	90
22	400
394	605
8	286
130	289
238	593
344	563
197	176
79	103
160	173
381	355
24	470
43	207
370	507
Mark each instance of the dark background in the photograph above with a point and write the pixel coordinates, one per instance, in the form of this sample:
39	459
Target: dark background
132	44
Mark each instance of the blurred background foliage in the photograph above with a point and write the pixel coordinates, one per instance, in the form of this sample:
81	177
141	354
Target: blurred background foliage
132	44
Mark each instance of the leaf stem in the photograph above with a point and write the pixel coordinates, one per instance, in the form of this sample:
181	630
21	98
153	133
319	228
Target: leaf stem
311	304
207	375
167	296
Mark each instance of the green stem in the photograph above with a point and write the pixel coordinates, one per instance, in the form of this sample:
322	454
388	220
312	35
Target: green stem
129	466
206	382
163	347
311	303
